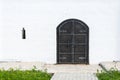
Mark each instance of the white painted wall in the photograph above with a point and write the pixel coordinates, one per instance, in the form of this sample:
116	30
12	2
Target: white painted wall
40	19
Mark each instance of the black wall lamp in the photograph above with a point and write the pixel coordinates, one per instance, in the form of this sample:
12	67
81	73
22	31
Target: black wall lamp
23	33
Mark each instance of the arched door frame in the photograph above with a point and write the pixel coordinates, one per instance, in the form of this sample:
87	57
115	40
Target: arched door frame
86	31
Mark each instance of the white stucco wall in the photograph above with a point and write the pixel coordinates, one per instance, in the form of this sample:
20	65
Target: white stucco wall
40	19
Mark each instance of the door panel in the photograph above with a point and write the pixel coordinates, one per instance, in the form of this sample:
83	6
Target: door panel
65	39
65	58
66	28
80	39
79	28
80	58
65	48
79	49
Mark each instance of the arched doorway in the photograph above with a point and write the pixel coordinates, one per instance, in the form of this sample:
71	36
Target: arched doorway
72	42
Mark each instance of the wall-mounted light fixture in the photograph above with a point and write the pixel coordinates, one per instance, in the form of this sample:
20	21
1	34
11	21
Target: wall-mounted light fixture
23	33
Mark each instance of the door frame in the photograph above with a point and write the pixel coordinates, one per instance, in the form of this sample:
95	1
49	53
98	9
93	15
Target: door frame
57	31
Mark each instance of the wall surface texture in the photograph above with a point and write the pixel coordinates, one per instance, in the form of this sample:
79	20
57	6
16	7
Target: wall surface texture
40	18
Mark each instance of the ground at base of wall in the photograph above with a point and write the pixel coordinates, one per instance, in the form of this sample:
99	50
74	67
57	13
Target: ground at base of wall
110	65
59	68
51	68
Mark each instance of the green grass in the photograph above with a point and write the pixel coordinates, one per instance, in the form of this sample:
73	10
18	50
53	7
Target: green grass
112	74
33	74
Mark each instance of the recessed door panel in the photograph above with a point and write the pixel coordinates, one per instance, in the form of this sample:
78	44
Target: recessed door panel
66	28
80	49
65	48
65	58
79	28
80	58
65	38
80	39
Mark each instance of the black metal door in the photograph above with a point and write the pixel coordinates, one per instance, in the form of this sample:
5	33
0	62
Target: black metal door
72	42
